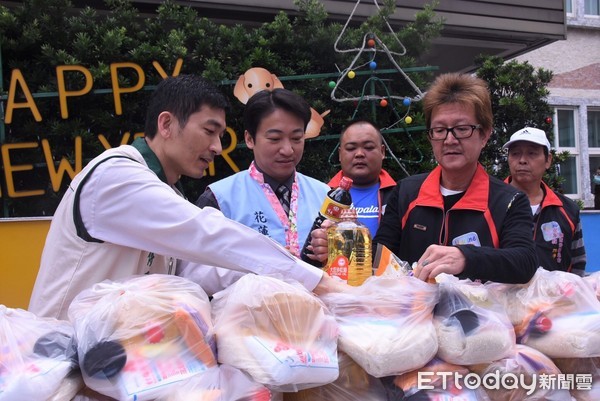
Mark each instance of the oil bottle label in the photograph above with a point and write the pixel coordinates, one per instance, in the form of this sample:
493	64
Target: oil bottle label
332	209
339	267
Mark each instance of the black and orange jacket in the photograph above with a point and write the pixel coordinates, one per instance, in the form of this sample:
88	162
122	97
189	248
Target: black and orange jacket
557	233
491	224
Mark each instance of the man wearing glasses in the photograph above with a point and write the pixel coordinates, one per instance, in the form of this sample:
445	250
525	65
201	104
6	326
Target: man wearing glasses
457	219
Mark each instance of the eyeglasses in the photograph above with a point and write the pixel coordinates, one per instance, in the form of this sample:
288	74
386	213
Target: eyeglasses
459	132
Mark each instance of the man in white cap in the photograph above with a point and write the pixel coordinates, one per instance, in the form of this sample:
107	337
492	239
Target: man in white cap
557	227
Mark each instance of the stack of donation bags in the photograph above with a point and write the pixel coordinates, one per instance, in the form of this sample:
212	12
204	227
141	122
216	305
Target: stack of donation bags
38	357
159	337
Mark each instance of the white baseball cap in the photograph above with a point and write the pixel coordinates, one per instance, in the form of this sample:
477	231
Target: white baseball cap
529	134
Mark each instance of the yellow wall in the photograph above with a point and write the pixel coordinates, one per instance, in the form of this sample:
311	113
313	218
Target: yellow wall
21	244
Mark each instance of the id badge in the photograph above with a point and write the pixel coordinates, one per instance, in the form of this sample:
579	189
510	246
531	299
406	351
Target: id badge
551	231
467	239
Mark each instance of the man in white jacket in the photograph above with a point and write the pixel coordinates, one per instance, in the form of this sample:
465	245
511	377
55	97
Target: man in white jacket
124	215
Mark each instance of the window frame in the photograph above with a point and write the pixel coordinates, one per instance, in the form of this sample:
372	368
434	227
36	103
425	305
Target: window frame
574	151
595	150
585	11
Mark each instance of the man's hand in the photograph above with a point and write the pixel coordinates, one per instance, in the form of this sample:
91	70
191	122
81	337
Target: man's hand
439	259
318	243
329	284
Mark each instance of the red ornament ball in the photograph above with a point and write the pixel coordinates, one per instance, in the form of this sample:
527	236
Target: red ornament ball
548	120
383	103
371	42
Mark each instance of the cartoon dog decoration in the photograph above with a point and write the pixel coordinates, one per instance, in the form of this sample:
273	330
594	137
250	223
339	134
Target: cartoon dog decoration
257	79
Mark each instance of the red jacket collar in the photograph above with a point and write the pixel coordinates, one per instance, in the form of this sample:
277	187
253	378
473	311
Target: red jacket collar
385	180
550	197
475	198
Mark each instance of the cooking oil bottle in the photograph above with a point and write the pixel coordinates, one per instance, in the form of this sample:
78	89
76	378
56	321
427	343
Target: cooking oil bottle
336	201
349	249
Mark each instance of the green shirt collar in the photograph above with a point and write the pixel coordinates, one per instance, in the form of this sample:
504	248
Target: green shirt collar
152	161
150	158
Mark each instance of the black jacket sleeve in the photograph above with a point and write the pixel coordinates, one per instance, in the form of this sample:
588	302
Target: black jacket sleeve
207	199
516	260
389	232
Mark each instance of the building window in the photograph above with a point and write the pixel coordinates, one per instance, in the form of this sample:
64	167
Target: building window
565	139
569	6
568	171
592	7
594	165
594	142
566	128
593	118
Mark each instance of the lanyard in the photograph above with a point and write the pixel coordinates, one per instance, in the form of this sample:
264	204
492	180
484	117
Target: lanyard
289	222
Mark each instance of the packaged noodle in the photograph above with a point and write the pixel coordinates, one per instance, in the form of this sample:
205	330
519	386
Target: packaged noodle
353	384
277	332
220	383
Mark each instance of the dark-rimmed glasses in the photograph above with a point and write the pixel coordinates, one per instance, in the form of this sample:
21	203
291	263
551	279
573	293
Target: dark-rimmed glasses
459	132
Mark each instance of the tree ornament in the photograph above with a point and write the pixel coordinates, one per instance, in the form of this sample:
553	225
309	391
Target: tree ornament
376	90
332	84
548	120
408	119
406	101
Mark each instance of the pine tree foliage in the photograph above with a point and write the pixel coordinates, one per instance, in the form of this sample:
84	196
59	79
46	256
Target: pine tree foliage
519	98
39	35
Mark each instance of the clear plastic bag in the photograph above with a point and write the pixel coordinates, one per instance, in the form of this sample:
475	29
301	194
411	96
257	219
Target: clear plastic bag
469	334
277	332
586	376
438	380
594	281
386	323
412	382
38	357
353	384
464	394
556	313
139	336
520	377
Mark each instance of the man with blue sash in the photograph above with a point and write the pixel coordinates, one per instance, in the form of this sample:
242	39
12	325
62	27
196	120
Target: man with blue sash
270	196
